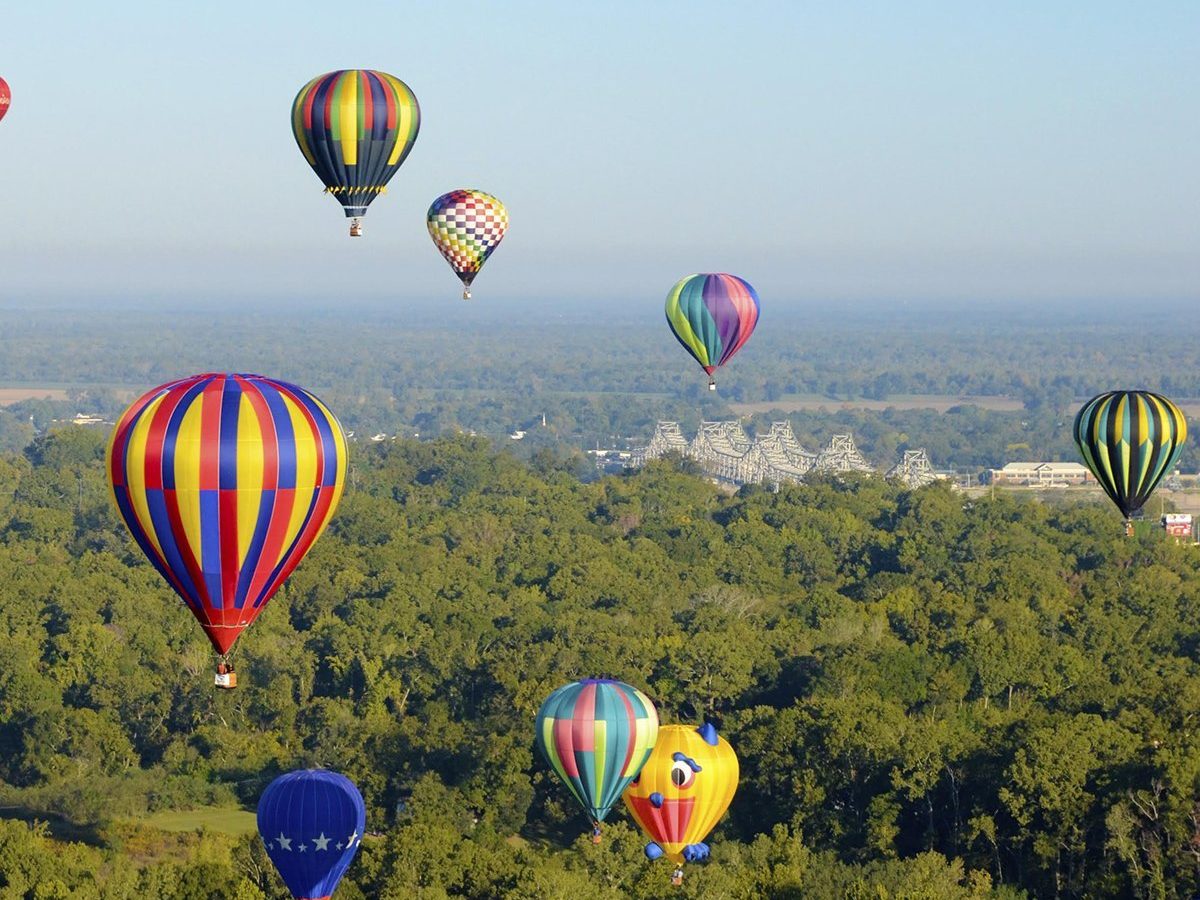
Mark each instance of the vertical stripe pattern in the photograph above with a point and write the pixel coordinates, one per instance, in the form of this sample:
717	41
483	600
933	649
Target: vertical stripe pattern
311	823
712	317
225	481
690	801
1130	440
597	734
355	128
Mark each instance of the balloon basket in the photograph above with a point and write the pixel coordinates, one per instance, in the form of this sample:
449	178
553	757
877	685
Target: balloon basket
466	293
712	385
356	227
677	878
225	677
226	681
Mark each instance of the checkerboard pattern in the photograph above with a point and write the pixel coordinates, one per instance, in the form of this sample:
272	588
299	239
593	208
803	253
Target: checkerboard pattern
466	226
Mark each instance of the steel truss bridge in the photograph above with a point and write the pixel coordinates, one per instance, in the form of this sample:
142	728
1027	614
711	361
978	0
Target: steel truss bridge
725	452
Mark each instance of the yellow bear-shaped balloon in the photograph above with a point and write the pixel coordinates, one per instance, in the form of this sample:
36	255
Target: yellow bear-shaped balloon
683	790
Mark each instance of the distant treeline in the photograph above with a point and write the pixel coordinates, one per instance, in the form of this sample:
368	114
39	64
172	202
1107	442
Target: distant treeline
605	381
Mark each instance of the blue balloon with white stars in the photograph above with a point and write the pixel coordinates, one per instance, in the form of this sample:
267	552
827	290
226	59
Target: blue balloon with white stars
311	822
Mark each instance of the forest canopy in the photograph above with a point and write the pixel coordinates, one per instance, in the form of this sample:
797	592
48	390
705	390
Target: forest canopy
929	696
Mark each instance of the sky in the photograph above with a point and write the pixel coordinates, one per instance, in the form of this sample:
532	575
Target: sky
919	152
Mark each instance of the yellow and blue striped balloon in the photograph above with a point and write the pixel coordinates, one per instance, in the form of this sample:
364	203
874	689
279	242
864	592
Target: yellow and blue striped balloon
1130	440
225	482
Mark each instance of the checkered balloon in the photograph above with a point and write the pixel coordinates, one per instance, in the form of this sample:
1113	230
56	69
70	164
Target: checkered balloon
466	226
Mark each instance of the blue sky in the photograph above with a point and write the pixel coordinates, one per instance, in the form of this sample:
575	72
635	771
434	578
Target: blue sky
956	152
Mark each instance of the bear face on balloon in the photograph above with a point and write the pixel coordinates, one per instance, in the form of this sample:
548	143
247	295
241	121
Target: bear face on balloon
683	790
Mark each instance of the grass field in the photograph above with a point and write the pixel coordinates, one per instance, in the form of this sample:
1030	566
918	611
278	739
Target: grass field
10	395
225	821
939	402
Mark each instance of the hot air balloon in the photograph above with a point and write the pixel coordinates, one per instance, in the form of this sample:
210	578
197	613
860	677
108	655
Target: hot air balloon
225	482
466	226
712	316
596	734
682	792
355	127
5	98
311	822
1130	440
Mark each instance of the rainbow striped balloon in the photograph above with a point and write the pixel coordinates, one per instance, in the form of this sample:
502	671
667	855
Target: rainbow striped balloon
355	127
712	316
597	734
466	226
1130	440
225	482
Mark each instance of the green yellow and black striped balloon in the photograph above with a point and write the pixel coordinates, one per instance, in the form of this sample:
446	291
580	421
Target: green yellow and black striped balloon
1129	441
355	127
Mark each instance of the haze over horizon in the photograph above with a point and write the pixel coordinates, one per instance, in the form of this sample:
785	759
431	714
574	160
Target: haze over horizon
932	152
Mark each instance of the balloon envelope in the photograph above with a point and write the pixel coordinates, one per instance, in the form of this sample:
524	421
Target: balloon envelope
466	226
1130	440
311	822
355	127
684	789
712	316
597	734
5	97
225	482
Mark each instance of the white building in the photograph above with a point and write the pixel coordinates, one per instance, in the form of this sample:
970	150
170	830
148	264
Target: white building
1042	474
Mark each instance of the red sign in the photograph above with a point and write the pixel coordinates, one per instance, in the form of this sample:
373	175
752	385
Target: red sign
1178	524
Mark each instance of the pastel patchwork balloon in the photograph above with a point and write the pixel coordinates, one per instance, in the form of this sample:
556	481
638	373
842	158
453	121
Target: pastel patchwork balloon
596	734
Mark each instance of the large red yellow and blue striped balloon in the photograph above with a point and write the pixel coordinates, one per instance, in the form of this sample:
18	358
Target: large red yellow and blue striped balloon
1130	440
712	316
597	734
225	482
355	127
466	226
